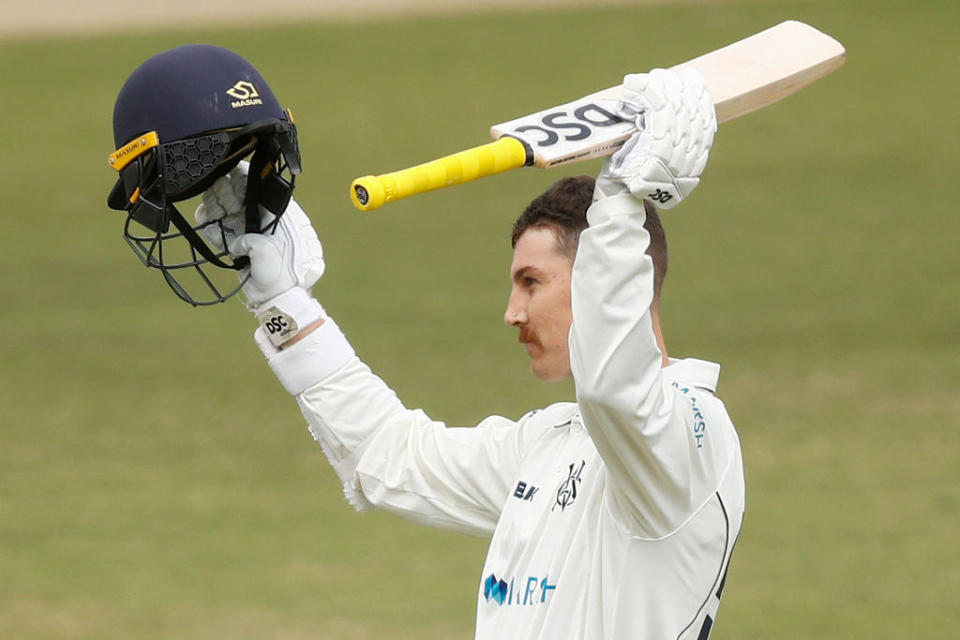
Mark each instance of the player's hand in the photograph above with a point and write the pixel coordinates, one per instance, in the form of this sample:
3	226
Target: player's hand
291	256
286	260
676	122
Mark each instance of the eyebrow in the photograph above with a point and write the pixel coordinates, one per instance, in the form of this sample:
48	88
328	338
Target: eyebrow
522	272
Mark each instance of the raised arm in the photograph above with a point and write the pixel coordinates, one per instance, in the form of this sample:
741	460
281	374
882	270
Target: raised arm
386	455
643	426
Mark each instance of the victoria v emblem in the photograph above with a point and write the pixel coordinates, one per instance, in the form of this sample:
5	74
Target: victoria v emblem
567	493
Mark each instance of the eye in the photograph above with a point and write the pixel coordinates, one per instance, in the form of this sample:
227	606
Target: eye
529	282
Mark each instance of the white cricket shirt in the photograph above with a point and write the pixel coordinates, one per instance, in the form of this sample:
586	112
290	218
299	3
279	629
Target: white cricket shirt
610	518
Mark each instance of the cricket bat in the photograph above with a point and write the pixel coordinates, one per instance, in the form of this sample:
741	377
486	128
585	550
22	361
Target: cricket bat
741	77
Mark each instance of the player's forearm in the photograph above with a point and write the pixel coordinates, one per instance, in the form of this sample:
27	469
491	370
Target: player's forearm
345	410
386	455
401	461
344	403
612	340
334	389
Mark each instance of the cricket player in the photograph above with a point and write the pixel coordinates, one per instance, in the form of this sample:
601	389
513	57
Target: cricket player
613	516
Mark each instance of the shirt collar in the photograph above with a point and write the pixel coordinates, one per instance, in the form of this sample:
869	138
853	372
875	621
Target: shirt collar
698	373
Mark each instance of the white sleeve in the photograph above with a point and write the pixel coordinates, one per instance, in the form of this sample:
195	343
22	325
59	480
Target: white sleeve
644	427
391	457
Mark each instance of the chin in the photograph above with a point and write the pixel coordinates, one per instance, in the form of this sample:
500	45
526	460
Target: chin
548	373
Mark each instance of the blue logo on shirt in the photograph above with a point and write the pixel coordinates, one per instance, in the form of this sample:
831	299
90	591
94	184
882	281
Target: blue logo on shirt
699	422
528	591
494	589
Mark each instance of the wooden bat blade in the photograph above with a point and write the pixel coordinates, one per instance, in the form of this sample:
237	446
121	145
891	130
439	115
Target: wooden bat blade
742	77
767	67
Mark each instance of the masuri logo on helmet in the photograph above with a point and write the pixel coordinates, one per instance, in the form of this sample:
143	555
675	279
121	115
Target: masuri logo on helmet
245	93
176	132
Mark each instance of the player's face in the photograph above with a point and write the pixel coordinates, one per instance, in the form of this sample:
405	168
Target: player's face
539	305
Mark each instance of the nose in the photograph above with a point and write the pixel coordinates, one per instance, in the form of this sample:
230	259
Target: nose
515	313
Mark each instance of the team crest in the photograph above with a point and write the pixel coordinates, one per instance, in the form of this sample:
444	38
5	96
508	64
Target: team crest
567	493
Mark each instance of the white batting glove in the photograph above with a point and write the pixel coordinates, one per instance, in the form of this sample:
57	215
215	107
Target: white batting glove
676	122
284	265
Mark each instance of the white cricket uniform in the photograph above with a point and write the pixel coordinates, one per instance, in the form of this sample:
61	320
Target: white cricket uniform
611	518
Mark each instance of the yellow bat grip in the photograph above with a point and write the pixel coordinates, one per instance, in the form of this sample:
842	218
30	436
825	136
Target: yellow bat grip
370	192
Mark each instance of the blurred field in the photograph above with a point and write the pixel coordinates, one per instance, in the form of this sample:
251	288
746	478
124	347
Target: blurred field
156	482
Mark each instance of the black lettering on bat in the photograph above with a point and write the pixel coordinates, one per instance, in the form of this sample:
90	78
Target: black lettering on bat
576	127
583	131
551	139
607	120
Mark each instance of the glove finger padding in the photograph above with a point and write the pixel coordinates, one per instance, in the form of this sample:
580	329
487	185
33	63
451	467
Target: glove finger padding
227	193
223	203
222	212
676	122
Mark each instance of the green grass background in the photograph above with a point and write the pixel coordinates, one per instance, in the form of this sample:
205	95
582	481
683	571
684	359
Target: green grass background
156	481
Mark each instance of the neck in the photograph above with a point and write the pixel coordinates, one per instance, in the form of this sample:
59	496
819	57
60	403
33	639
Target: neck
658	333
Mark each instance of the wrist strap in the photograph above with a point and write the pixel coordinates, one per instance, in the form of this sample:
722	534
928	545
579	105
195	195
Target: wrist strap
284	316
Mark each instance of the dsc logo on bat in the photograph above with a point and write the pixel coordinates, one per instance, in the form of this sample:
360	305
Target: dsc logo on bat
575	123
582	129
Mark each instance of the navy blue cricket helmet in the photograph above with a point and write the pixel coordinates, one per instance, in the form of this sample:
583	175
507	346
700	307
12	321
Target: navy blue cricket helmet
184	118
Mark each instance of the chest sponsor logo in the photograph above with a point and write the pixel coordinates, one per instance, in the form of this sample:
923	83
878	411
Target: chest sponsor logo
527	591
569	488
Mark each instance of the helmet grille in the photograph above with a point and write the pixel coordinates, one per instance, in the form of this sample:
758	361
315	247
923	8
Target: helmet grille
187	163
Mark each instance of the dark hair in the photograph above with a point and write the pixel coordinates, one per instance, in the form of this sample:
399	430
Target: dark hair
563	208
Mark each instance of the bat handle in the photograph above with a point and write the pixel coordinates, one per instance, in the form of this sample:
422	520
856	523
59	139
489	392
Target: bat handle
370	192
